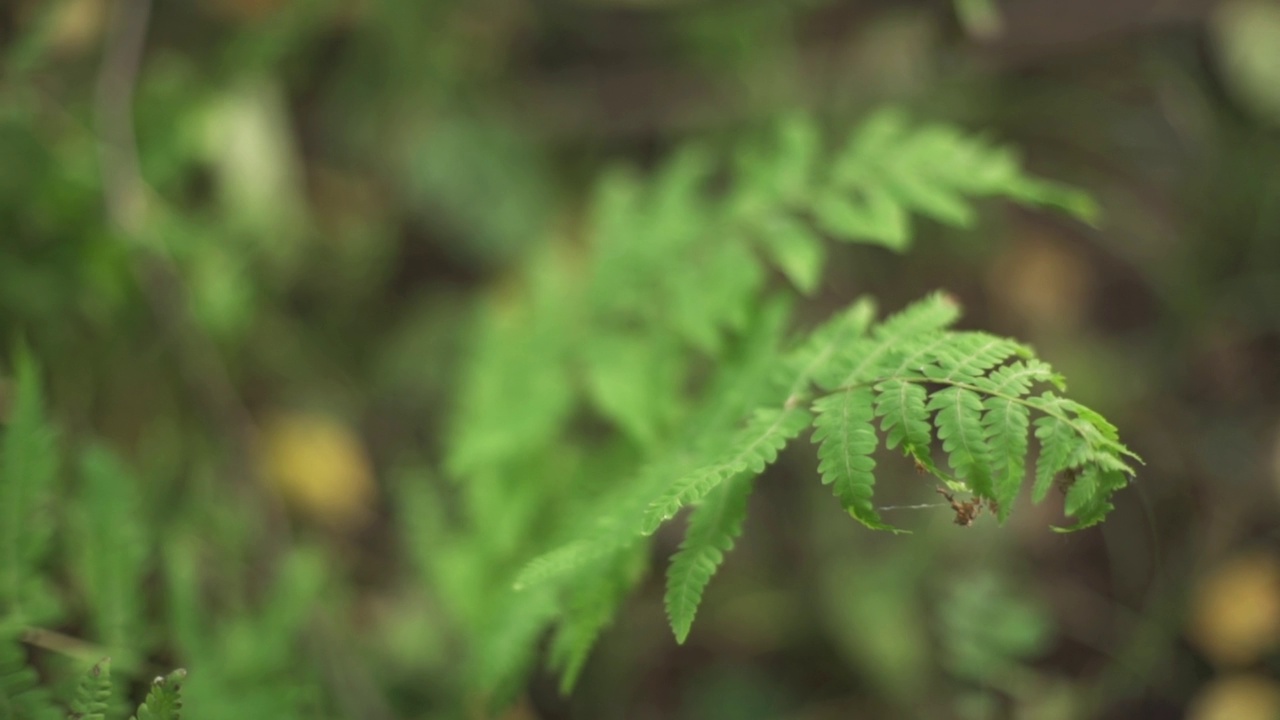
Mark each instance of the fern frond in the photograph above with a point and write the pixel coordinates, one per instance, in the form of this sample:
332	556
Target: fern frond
1017	378
633	379
862	361
590	607
1088	498
889	170
904	419
1006	423
1083	491
847	438
518	391
668	258
713	527
967	355
814	358
93	693
616	527
1102	435
711	291
561	561
505	649
21	695
783	170
795	248
751	450
28	468
959	423
110	549
164	699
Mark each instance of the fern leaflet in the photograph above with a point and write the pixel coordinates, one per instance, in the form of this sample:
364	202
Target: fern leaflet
1006	423
1088	497
963	356
1060	448
93	693
958	419
862	361
843	427
904	419
591	605
28	467
713	527
752	449
20	693
888	170
164	699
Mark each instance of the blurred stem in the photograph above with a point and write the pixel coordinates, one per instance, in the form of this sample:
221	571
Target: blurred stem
980	18
118	150
134	208
63	644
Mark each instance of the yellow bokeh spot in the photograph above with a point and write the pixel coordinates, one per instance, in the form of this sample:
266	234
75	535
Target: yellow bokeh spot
1235	612
320	468
1237	698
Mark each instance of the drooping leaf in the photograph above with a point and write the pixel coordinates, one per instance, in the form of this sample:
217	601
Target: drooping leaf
959	423
590	607
713	527
1006	422
1058	445
846	440
751	450
905	421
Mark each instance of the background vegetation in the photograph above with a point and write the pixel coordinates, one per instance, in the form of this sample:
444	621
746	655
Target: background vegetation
248	242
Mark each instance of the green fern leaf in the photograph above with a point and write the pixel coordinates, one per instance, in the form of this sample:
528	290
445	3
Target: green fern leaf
888	170
110	550
713	527
504	649
1016	379
28	469
847	439
1088	499
751	450
870	216
1059	447
711	290
591	605
799	151
93	693
1006	422
863	360
164	699
614	529
959	423
1084	490
816	357
632	378
563	560
794	248
21	696
965	356
520	353
1102	436
904	419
